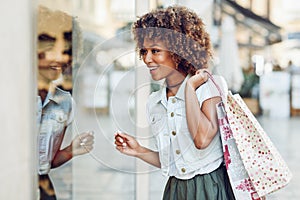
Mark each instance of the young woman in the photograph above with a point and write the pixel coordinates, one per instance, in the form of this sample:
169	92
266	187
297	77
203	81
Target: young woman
175	46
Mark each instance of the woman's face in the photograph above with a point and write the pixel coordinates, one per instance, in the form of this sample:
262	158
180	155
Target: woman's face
52	57
158	59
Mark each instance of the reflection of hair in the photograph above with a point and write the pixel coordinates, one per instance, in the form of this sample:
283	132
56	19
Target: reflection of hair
51	22
183	33
77	40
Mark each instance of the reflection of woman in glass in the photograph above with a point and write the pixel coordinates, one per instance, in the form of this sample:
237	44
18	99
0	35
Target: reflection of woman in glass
55	106
175	46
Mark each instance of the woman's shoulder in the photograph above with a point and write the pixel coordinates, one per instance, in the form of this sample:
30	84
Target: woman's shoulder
63	93
219	81
63	96
213	85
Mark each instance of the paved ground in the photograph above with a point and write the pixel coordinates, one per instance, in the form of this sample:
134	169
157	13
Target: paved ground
107	175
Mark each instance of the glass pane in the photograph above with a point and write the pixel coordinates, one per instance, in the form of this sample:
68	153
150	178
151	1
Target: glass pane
55	107
104	81
101	76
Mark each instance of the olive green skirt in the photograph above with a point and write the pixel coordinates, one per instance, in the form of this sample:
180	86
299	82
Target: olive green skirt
212	186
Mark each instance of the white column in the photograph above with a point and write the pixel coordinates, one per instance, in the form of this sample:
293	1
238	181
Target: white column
18	175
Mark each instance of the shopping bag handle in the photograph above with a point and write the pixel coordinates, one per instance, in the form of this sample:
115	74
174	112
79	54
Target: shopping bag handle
215	83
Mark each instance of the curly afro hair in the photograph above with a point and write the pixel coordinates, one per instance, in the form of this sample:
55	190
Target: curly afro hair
183	33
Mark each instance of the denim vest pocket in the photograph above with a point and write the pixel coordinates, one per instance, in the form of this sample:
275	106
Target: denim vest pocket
59	120
157	123
181	120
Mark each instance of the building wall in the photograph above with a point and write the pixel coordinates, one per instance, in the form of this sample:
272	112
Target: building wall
18	140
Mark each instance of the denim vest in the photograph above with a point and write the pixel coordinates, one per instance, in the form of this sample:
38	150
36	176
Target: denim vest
168	123
52	119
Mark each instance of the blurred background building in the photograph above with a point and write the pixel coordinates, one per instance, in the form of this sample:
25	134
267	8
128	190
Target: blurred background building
256	44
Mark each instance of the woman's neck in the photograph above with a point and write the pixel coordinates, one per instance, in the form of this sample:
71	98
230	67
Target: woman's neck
174	85
43	84
171	92
44	88
175	79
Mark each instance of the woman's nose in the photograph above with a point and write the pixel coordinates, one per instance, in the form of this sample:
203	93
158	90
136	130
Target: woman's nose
58	50
56	54
147	57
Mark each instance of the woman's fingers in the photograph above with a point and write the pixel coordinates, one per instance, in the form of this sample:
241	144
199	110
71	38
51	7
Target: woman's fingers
86	138
122	135
119	138
119	143
87	134
120	148
122	141
203	74
89	143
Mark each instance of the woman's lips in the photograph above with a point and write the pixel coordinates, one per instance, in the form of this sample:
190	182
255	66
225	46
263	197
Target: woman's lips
55	66
152	69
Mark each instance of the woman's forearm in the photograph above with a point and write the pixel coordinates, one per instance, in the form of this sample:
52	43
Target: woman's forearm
149	156
62	156
128	145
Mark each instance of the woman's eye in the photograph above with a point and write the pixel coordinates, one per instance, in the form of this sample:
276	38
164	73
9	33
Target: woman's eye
154	51
143	52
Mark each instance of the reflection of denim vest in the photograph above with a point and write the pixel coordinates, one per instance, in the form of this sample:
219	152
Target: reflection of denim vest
52	119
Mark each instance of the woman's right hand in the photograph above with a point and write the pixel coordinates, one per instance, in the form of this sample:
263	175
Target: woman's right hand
83	143
198	79
126	144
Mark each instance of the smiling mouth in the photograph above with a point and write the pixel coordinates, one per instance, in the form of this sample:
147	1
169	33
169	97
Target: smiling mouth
152	68
55	66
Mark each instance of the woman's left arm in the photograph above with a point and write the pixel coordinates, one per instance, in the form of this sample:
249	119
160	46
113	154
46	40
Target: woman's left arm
202	122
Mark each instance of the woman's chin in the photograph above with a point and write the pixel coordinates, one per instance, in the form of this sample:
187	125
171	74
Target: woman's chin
155	78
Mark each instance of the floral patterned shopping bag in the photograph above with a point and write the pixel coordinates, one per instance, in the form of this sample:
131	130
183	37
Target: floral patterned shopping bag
267	170
254	166
241	184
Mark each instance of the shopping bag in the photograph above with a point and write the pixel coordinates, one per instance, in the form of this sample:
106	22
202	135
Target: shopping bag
267	170
241	184
254	166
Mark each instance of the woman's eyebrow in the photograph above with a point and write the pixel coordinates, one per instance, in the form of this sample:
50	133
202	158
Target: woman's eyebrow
155	45
46	37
